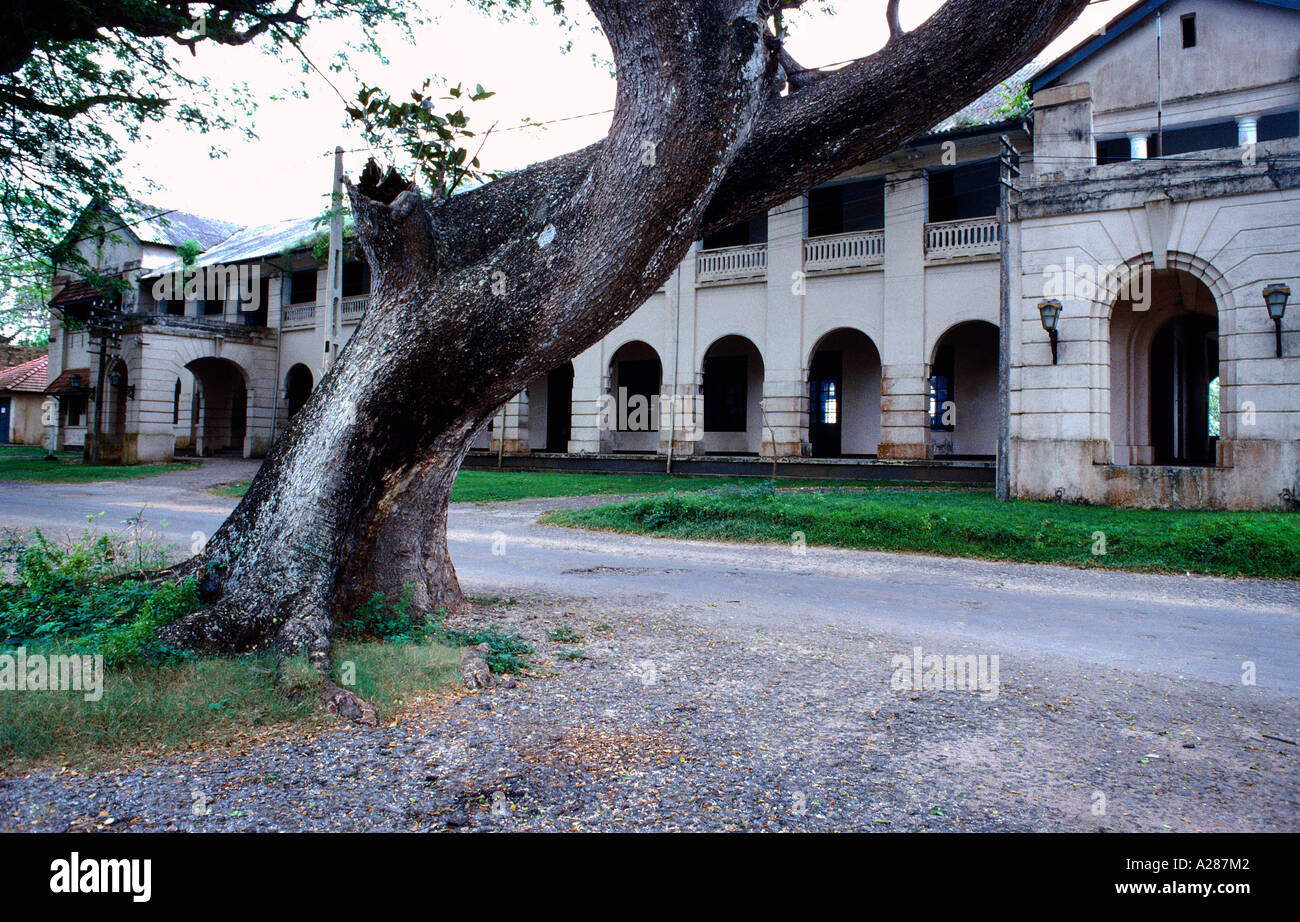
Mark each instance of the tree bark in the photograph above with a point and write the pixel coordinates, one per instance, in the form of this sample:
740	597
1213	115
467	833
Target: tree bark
475	296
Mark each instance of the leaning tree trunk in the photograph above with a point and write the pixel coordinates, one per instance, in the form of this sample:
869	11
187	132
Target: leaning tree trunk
477	295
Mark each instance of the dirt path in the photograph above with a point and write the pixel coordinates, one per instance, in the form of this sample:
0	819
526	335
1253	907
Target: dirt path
681	717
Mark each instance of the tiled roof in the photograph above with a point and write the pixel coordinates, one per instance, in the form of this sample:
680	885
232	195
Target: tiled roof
27	378
169	227
63	383
256	242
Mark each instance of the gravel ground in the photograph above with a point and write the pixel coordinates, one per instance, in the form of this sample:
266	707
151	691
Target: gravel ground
693	718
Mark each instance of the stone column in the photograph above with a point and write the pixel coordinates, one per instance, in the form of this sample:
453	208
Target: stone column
1137	146
904	386
785	385
1063	129
512	425
588	386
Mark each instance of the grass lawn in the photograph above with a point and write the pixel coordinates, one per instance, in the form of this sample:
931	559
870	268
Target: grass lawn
211	701
27	462
500	486
970	523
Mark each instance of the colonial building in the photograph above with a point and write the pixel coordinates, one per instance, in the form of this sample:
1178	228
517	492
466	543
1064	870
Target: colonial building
1157	203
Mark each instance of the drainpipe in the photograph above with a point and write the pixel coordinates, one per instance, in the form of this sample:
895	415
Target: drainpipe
1160	93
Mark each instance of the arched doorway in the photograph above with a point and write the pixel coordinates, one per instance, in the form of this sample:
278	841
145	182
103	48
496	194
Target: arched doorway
844	396
631	417
297	388
732	389
220	421
119	384
1164	365
963	400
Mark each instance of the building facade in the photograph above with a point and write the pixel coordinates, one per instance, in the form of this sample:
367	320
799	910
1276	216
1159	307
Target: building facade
1157	201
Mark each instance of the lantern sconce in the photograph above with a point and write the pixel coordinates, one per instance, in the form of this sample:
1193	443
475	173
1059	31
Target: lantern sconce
1050	312
1275	297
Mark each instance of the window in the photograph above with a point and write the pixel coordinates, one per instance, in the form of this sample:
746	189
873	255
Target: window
213	306
846	207
826	402
356	279
1201	137
1189	30
726	393
962	192
746	233
74	407
1114	150
176	403
1279	125
302	286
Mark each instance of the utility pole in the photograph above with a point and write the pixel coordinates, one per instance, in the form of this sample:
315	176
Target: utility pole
104	327
1007	160
333	269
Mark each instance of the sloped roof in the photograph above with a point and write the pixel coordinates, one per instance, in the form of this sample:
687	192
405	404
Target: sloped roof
63	383
984	111
171	227
27	378
1115	29
256	242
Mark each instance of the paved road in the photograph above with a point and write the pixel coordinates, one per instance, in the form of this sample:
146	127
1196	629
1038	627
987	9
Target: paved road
1198	627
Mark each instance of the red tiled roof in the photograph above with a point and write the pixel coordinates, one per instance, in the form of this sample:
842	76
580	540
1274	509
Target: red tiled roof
79	290
63	383
27	378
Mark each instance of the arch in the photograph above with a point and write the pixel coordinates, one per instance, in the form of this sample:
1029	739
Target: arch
298	384
630	422
220	425
963	391
1164	354
844	395
118	380
731	376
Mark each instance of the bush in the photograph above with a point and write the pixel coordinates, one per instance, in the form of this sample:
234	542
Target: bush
83	594
379	619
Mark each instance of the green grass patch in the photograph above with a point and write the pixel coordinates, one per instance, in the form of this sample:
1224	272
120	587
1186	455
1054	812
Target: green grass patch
503	486
29	462
969	523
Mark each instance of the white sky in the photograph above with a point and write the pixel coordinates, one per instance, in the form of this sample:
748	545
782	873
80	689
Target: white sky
286	172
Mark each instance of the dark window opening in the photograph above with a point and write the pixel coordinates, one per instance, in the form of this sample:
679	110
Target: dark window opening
74	407
726	393
213	306
302	286
963	192
257	317
825	393
1189	30
1201	137
176	403
638	381
846	208
941	389
356	279
1116	150
1279	125
743	234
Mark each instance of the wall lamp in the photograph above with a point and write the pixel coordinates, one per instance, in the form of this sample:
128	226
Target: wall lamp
115	379
1276	296
1050	312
